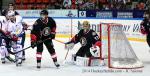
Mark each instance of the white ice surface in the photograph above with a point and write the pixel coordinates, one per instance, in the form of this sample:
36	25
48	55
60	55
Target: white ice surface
28	67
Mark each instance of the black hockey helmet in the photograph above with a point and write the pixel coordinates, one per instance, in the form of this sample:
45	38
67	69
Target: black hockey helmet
11	4
4	12
44	12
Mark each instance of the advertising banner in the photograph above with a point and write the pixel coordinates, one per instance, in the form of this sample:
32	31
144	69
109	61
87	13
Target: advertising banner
52	13
70	26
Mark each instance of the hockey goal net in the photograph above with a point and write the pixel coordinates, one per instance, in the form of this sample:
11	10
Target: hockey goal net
116	47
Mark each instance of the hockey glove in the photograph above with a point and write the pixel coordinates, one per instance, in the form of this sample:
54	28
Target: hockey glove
33	40
14	38
8	34
33	44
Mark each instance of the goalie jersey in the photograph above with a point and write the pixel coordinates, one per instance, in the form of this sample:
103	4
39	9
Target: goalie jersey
86	39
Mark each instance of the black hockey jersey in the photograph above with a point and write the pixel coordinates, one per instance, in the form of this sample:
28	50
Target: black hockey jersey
146	24
86	39
43	29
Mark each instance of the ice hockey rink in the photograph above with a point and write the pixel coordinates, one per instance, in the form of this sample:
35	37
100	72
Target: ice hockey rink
28	67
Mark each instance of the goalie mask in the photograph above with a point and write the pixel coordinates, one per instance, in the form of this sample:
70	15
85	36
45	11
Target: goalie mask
95	51
86	26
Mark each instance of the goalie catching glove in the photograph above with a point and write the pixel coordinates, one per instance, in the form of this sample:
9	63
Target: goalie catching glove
69	45
95	49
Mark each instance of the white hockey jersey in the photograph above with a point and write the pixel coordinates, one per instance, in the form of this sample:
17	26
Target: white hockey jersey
16	27
3	27
3	23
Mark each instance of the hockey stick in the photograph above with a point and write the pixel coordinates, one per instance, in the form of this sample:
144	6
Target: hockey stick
67	54
38	42
64	61
60	41
36	45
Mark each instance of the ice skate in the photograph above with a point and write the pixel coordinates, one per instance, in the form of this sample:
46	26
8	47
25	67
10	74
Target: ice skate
19	62
3	60
23	58
56	64
38	65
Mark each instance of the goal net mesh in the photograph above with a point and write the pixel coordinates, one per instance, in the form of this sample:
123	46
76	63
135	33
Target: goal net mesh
116	47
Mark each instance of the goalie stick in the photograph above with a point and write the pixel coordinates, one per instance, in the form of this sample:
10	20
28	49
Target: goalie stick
67	50
66	54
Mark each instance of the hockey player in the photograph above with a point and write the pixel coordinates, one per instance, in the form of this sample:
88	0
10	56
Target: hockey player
3	50
3	45
11	7
145	26
87	38
16	33
44	28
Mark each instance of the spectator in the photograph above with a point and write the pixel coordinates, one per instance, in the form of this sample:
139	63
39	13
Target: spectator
90	5
59	4
67	4
105	7
148	4
141	6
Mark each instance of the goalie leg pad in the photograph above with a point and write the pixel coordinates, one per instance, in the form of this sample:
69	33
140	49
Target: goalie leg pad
84	61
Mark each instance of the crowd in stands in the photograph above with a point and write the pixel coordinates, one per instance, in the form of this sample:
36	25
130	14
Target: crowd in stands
84	4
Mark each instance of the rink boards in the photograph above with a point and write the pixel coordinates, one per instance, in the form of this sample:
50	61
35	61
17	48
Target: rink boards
68	27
